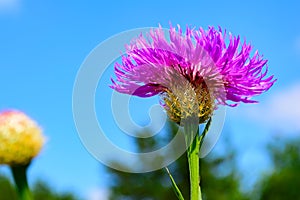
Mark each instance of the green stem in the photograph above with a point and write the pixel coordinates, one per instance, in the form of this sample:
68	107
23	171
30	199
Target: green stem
194	142
20	178
193	161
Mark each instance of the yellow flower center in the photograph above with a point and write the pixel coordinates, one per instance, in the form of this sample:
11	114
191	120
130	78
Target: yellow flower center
185	100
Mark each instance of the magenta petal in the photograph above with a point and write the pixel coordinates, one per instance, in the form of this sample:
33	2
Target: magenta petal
195	55
148	90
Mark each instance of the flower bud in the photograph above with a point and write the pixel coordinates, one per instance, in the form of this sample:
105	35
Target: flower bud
21	138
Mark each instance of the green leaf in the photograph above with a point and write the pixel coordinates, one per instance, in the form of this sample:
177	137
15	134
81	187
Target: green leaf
204	132
176	189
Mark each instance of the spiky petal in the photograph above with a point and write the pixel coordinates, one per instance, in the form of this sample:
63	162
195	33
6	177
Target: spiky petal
206	59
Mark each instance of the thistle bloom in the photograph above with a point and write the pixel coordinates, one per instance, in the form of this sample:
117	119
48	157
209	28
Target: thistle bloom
193	72
20	138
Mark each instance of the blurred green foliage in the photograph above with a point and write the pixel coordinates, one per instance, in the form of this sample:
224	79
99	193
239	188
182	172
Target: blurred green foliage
40	191
282	183
220	179
7	191
216	183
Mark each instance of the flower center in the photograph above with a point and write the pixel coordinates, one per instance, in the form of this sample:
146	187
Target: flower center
182	101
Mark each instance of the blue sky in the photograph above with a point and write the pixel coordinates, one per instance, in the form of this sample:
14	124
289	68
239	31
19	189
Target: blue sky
43	44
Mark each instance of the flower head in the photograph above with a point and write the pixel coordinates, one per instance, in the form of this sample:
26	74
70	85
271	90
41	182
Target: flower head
193	72
20	138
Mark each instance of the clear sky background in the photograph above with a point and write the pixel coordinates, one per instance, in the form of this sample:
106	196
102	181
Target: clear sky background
43	44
